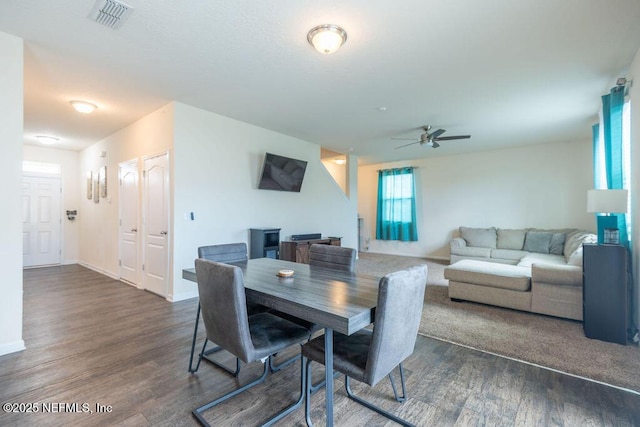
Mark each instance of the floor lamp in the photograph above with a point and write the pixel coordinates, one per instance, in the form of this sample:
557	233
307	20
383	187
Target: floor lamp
609	203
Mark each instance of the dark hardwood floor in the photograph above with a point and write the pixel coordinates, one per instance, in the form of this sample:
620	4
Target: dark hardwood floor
96	341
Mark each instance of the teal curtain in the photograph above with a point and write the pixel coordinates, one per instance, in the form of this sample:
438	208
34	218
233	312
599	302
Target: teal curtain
612	109
597	167
396	216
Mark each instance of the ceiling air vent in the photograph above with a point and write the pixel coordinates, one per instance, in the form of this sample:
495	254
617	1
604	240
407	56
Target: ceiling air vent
111	13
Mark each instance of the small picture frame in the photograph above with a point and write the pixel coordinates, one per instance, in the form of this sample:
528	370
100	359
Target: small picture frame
103	181
90	185
611	236
96	189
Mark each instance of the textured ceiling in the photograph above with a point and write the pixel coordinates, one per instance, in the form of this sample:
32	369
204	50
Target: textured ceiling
507	72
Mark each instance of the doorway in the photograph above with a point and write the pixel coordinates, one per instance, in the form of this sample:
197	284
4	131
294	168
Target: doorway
155	212
41	221
129	245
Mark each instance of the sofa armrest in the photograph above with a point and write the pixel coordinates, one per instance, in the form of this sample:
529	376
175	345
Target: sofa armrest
570	275
457	242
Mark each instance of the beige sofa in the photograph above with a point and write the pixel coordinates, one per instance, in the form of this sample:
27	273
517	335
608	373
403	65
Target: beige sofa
524	269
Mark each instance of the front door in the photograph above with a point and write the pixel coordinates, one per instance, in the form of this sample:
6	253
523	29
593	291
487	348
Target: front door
129	202
41	221
156	225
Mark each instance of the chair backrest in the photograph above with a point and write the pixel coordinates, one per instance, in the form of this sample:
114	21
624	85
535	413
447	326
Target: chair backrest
224	307
229	252
398	314
330	256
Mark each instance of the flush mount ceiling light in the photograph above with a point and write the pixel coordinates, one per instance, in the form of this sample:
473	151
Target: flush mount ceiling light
47	140
327	38
84	107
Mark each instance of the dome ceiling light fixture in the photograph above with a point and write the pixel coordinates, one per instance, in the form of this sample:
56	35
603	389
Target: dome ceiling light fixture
83	107
327	38
47	140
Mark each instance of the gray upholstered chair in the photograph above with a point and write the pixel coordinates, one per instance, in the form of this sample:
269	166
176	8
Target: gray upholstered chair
225	253
368	356
248	337
336	257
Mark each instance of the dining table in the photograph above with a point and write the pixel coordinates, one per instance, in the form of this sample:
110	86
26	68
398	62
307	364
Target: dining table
335	300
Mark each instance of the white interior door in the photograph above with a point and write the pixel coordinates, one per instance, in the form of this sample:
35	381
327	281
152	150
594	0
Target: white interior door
156	224
129	226
41	221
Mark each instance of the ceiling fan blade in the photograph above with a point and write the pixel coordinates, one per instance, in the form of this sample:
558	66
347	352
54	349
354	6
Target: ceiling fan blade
437	133
404	139
406	145
448	138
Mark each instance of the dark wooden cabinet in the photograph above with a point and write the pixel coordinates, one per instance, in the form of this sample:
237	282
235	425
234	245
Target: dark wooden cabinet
298	250
606	292
265	243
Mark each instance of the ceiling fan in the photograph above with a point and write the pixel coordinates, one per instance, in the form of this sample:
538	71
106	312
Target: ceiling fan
431	139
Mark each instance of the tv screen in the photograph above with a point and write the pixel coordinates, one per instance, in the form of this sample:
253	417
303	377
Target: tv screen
282	173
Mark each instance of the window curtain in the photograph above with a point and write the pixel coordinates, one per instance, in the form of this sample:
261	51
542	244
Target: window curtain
611	142
396	215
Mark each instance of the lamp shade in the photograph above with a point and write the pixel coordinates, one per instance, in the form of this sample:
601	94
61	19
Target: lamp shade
607	201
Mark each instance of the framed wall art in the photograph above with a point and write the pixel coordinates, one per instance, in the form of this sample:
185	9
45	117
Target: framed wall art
89	185
103	181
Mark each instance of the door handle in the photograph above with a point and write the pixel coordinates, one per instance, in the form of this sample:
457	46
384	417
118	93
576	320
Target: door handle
163	233
134	230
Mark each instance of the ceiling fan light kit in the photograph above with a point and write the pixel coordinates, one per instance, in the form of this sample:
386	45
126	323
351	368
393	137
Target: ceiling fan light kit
327	38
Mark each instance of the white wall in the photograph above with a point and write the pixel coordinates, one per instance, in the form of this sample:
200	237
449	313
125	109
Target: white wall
11	119
634	74
71	189
541	186
99	222
217	163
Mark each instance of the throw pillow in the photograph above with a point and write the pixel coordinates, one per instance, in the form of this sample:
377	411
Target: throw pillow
511	239
557	244
480	237
537	241
576	257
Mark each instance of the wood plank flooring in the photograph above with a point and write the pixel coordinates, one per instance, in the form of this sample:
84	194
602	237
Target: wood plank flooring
96	341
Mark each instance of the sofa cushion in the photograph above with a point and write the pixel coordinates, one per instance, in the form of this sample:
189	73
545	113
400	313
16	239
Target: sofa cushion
511	239
541	259
480	237
471	251
508	254
537	241
489	274
556	246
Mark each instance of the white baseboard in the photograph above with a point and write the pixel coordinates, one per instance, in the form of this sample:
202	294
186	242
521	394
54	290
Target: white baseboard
12	347
70	262
100	270
182	296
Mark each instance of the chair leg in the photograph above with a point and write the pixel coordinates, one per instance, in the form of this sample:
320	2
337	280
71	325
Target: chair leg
307	391
276	367
286	411
347	386
393	385
197	413
204	353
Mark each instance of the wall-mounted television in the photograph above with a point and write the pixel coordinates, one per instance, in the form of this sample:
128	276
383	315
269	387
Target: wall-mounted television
282	173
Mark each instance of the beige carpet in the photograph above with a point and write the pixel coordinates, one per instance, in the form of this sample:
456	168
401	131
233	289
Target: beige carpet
543	340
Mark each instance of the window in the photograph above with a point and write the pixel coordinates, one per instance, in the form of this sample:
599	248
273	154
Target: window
396	216
40	168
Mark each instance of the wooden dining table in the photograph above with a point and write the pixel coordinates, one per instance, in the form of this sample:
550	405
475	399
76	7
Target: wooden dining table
335	300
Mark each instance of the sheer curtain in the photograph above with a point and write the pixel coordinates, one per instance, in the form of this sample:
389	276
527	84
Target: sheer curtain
396	215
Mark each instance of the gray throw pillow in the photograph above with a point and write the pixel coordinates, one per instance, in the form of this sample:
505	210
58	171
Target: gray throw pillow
511	239
479	237
557	244
537	241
